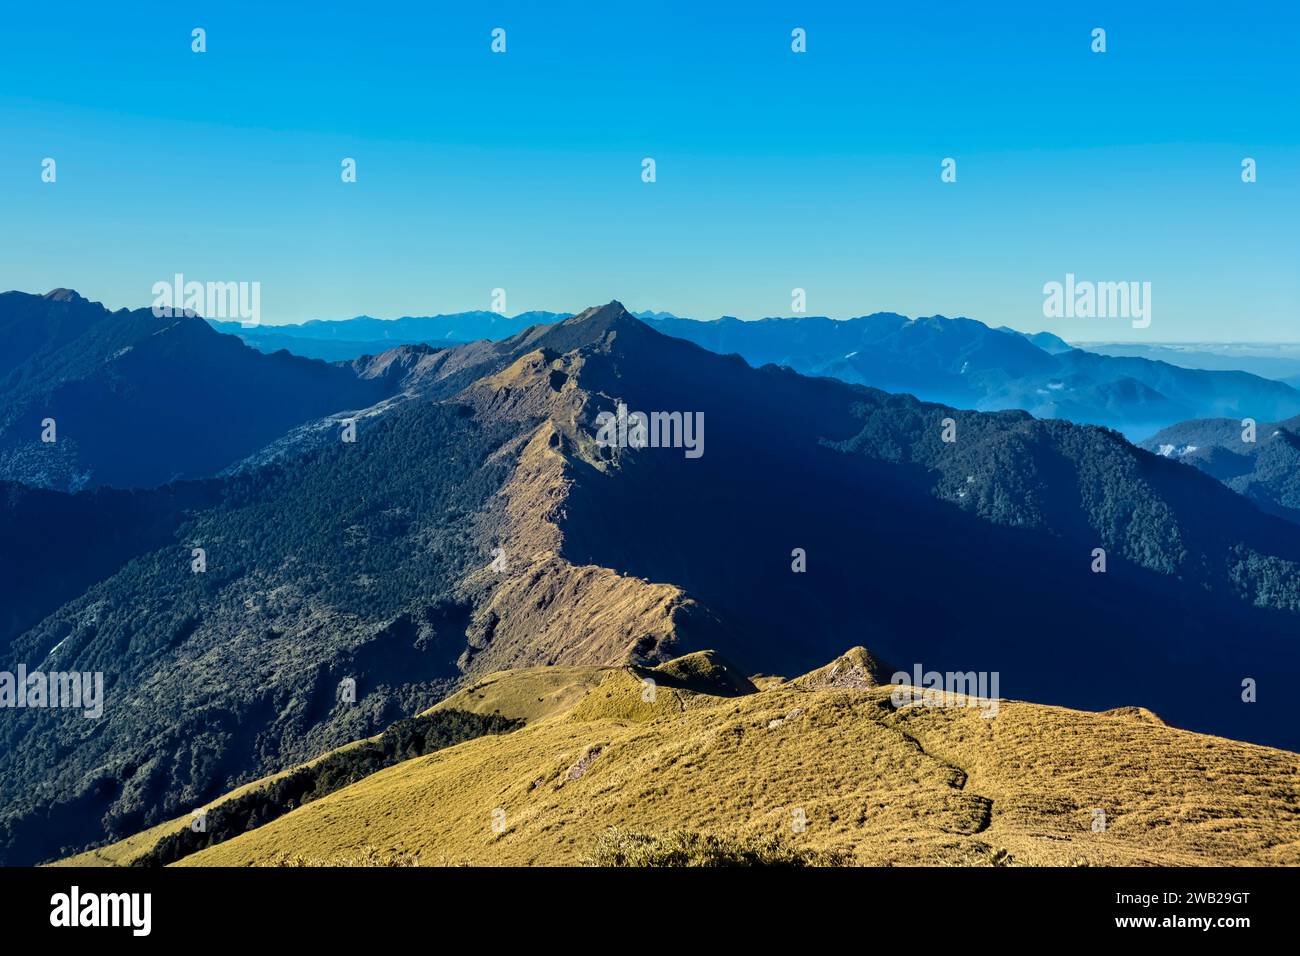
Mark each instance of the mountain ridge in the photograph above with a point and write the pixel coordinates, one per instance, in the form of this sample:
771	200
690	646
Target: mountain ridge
1260	461
957	361
1036	785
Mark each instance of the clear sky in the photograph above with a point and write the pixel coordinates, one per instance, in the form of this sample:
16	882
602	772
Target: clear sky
775	170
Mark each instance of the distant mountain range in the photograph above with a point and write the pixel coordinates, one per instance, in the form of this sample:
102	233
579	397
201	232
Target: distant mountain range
965	363
476	524
959	361
352	338
1277	360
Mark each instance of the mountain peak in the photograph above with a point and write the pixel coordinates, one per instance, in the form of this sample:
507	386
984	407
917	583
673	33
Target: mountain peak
589	327
63	295
606	315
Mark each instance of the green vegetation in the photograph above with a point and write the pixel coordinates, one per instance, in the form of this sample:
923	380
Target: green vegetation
402	741
342	564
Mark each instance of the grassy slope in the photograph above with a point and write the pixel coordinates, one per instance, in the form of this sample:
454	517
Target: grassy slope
525	694
915	786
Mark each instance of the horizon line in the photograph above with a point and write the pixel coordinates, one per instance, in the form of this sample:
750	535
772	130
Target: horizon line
562	314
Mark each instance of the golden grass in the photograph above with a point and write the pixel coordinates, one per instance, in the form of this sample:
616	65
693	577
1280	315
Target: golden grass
530	694
920	785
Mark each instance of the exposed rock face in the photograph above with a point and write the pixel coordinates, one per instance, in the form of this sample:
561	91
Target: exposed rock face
856	669
1135	713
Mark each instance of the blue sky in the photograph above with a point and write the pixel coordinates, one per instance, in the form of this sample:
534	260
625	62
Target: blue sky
775	170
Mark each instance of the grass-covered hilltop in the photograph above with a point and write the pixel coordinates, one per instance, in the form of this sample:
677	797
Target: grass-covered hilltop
692	763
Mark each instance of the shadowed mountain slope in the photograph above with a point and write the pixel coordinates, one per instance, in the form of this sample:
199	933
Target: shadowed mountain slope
975	554
59	544
1261	462
138	401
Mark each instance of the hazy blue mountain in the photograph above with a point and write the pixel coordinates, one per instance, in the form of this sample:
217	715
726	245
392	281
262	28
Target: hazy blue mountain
1044	340
649	315
371	560
348	339
138	400
327	350
966	363
1279	360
